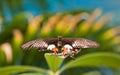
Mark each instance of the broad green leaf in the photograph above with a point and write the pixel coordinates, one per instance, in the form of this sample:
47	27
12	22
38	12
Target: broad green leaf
31	74
92	73
17	69
54	61
94	60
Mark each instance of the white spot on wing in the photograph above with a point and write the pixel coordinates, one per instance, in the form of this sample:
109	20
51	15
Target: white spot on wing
69	48
50	47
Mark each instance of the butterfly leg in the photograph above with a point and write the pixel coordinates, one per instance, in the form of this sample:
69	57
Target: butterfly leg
72	54
77	51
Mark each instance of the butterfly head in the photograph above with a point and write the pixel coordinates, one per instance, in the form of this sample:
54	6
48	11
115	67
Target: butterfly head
59	43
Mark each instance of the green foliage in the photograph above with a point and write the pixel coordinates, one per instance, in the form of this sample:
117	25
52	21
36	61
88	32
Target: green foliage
92	60
95	60
26	27
54	61
18	69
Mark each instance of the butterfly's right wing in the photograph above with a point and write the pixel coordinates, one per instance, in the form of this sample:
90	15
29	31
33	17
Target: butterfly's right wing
39	44
80	43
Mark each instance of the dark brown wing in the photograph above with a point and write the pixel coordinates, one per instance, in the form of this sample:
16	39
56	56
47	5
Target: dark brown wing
40	44
80	43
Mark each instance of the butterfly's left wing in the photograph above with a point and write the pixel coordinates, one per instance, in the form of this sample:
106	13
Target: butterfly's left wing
80	43
39	44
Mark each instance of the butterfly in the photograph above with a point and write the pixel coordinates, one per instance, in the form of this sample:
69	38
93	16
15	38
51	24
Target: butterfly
68	46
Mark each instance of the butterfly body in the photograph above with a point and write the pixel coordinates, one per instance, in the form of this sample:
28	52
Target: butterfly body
68	46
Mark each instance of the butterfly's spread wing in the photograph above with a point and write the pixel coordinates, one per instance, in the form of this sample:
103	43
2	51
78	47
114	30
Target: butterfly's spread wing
80	43
40	44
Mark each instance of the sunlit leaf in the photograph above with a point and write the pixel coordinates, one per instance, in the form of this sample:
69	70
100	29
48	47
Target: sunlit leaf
92	73
33	26
7	49
98	25
107	35
85	26
33	74
54	61
95	60
48	27
18	69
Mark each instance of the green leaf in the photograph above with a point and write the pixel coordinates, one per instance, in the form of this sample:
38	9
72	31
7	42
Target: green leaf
94	60
17	69
54	61
92	73
31	74
2	58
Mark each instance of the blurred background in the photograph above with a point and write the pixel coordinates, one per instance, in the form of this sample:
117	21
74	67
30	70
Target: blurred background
24	20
